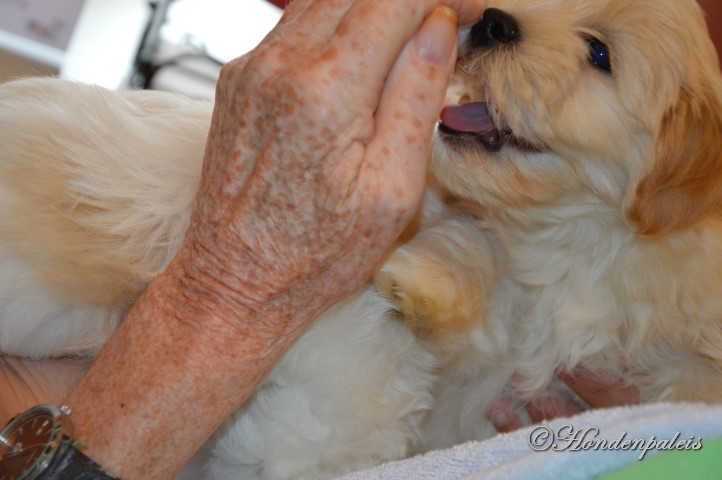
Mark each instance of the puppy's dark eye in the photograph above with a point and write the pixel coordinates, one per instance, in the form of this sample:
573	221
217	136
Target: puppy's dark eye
599	55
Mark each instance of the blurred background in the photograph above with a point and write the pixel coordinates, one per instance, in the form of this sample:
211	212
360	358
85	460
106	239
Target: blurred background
176	45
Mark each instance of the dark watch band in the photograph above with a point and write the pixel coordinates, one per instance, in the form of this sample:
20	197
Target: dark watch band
73	465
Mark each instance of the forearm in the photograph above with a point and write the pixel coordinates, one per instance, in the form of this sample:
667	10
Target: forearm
167	379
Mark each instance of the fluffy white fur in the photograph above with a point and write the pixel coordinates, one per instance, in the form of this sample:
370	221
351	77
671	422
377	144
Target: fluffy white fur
603	250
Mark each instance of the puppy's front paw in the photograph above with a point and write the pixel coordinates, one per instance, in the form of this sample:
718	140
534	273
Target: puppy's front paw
429	297
439	280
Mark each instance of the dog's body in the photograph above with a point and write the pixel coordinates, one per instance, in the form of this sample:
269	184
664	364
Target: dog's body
590	235
590	141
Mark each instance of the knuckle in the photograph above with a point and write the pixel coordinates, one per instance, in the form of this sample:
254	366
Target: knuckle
253	69
230	70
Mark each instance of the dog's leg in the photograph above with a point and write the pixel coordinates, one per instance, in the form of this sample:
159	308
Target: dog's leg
441	280
441	283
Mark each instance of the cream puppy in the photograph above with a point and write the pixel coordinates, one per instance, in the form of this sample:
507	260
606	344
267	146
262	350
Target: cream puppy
588	139
587	155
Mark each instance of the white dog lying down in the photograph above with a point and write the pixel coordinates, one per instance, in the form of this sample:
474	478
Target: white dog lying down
587	152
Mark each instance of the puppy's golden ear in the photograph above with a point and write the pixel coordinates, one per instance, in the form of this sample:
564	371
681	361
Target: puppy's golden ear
685	180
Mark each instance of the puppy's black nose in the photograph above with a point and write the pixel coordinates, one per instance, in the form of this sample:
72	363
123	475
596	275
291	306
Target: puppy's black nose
495	27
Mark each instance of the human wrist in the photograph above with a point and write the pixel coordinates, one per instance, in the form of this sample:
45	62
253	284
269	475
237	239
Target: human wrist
198	298
247	292
194	367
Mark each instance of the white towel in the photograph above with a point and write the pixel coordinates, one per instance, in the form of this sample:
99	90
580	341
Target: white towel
510	456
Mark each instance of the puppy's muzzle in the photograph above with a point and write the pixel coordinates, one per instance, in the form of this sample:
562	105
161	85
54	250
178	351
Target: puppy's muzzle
471	123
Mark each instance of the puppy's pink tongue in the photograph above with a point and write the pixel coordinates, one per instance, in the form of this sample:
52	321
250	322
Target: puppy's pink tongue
468	118
473	118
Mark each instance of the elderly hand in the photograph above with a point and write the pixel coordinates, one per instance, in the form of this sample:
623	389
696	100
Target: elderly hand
315	162
317	153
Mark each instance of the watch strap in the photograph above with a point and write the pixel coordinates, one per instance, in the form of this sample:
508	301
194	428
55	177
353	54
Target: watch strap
74	465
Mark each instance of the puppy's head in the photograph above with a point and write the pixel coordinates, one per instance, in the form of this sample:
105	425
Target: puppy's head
587	101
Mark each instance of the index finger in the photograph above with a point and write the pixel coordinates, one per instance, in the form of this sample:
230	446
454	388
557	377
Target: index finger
372	34
322	20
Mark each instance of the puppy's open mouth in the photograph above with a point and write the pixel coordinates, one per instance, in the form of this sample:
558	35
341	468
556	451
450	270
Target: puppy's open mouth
471	122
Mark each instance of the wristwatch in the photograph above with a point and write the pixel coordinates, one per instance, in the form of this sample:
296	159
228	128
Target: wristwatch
35	446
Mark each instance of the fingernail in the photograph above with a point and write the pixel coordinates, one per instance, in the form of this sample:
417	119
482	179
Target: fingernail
436	40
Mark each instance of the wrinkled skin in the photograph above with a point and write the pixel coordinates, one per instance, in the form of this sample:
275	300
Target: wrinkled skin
315	163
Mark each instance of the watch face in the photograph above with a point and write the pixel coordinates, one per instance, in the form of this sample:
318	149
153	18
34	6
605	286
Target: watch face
25	444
